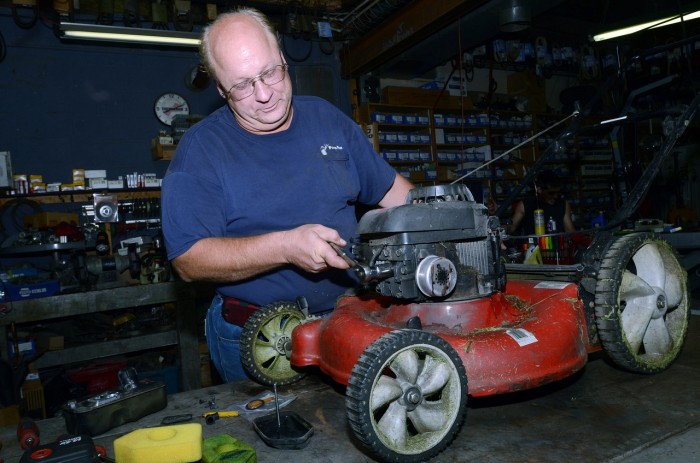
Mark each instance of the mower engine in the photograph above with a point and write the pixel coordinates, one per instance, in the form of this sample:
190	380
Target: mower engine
439	246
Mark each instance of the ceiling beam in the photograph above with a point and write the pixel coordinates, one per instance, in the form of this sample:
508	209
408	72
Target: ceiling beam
417	21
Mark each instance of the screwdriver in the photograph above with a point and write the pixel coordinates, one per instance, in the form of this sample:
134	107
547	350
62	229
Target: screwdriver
211	417
257	403
27	433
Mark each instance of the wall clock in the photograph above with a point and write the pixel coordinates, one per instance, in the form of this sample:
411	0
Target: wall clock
169	105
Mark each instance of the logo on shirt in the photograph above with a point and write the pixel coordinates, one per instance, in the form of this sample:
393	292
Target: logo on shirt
325	148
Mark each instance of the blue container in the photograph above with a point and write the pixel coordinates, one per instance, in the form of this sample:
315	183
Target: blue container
599	220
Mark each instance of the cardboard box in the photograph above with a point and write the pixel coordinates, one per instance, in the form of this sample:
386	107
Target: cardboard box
115	184
25	347
33	397
9	415
162	152
49	341
23	291
446	173
95	173
98	183
50	219
205	365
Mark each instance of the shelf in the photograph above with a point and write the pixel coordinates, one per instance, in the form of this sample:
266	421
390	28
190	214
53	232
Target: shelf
41	248
465	140
103	349
104	300
83	196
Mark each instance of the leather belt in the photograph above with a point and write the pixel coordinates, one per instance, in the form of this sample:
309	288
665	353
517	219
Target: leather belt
236	311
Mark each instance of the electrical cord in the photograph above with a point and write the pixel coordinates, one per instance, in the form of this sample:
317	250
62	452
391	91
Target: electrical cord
12	207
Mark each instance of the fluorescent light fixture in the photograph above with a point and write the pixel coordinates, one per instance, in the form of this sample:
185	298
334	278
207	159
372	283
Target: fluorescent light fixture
647	25
610	121
129	35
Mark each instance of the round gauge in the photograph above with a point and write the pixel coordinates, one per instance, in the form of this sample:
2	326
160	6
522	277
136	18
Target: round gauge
169	105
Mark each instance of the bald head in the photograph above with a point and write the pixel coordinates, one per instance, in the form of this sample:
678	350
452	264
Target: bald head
242	49
238	36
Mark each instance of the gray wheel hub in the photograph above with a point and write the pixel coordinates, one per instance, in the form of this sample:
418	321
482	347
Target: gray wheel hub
412	397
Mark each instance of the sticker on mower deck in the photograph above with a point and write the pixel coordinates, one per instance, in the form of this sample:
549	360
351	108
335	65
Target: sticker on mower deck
552	285
521	336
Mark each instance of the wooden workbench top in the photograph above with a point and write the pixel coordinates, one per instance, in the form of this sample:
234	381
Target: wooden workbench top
319	403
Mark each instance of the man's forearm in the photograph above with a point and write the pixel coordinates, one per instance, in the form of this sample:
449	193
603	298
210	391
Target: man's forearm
230	259
396	196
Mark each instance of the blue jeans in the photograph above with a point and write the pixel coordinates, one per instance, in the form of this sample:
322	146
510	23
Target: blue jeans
224	342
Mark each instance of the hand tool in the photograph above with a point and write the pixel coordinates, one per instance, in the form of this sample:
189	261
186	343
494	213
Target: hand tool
349	260
102	454
257	403
211	417
27	433
174	419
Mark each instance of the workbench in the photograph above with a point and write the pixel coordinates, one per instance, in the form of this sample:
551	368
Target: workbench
102	300
601	414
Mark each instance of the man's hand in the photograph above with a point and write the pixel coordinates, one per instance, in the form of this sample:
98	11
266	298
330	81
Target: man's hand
307	248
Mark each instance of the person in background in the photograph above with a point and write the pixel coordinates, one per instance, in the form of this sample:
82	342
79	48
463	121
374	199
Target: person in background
547	197
258	189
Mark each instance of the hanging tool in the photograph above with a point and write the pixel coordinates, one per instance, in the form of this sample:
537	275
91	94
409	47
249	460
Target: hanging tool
27	433
212	417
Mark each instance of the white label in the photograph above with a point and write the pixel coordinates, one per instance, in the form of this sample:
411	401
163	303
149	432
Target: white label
521	336
552	285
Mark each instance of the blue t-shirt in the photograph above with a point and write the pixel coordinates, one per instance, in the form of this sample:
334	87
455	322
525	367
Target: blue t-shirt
225	181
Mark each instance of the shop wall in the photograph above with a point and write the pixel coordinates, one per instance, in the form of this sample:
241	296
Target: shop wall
76	105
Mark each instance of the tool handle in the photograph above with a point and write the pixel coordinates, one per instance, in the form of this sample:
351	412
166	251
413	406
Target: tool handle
27	433
257	403
173	419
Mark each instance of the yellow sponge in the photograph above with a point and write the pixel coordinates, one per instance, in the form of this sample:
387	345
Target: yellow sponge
181	443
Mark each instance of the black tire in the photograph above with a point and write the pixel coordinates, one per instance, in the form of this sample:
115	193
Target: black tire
415	381
265	339
642	303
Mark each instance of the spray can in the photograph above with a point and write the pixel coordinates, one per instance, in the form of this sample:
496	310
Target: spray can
551	228
540	228
539	222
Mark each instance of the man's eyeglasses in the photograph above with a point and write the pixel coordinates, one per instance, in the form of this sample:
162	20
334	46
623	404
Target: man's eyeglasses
244	89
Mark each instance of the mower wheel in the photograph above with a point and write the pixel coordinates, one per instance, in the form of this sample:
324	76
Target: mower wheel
641	303
266	340
407	396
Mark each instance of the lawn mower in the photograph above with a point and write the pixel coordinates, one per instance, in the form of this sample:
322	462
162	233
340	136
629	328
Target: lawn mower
440	315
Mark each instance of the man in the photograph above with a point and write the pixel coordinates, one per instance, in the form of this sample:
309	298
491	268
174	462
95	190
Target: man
258	189
547	197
